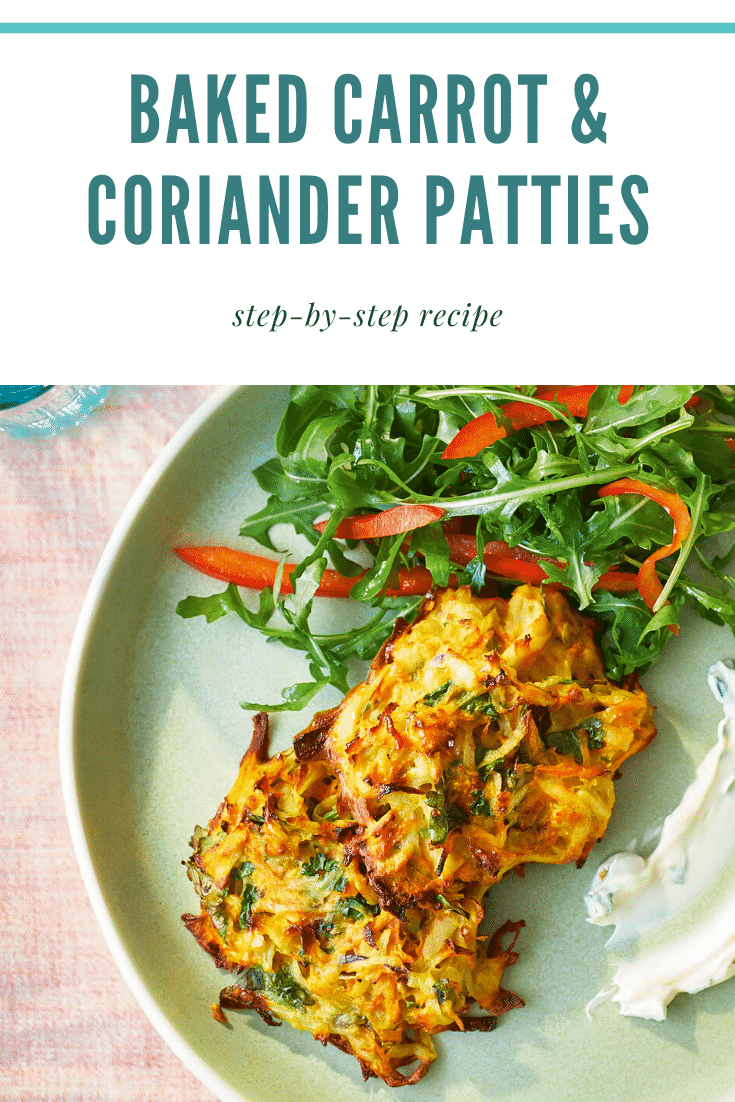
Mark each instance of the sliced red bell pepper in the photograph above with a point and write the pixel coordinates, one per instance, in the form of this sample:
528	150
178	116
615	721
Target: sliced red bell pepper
519	565
730	443
257	572
391	522
484	430
649	586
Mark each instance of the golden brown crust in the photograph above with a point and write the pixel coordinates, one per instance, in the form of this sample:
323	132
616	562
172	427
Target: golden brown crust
342	881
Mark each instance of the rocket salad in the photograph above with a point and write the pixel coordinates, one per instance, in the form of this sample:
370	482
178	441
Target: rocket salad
607	491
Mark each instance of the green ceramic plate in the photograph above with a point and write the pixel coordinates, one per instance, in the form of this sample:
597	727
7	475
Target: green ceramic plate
151	737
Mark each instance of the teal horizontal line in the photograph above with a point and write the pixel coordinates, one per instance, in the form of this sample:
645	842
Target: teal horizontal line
367	28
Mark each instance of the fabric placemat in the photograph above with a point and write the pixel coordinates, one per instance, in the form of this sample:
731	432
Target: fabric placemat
70	1030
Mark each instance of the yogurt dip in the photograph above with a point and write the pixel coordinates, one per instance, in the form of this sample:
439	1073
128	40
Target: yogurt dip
674	911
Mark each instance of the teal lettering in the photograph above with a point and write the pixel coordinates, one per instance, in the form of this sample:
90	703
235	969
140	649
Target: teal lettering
459	110
140	107
278	212
500	134
174	211
435	209
347	80
138	237
254	107
546	183
532	82
234	215
383	211
476	201
385	101
597	209
287	135
513	183
628	236
182	101
204	210
218	107
573	210
100	237
345	209
307	236
422	110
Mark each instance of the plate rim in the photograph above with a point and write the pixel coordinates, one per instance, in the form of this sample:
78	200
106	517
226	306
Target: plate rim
69	749
68	745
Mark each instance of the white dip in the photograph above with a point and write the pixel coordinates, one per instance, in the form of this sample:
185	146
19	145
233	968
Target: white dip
674	912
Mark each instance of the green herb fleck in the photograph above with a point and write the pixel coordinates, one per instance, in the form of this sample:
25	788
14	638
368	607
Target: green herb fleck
441	989
243	870
567	742
456	815
480	805
482	702
355	907
318	863
284	987
434	697
247	900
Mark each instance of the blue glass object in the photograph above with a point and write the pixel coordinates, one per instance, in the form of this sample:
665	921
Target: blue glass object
16	395
38	411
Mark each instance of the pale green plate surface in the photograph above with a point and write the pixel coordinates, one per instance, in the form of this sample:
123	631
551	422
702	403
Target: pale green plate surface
152	734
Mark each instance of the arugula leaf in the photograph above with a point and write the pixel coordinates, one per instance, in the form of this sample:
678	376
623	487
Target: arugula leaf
431	543
294	697
355	448
605	412
301	515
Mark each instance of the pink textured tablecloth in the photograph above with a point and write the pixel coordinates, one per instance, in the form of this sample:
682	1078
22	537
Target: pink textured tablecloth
70	1029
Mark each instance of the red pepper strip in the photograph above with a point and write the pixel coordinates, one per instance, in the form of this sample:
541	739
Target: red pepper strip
391	522
546	392
256	572
484	430
519	565
694	401
649	586
730	443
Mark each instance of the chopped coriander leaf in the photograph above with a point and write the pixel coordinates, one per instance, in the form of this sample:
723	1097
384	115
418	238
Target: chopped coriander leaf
456	815
438	823
441	989
283	986
247	901
355	907
482	702
243	870
317	864
480	805
567	742
434	697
